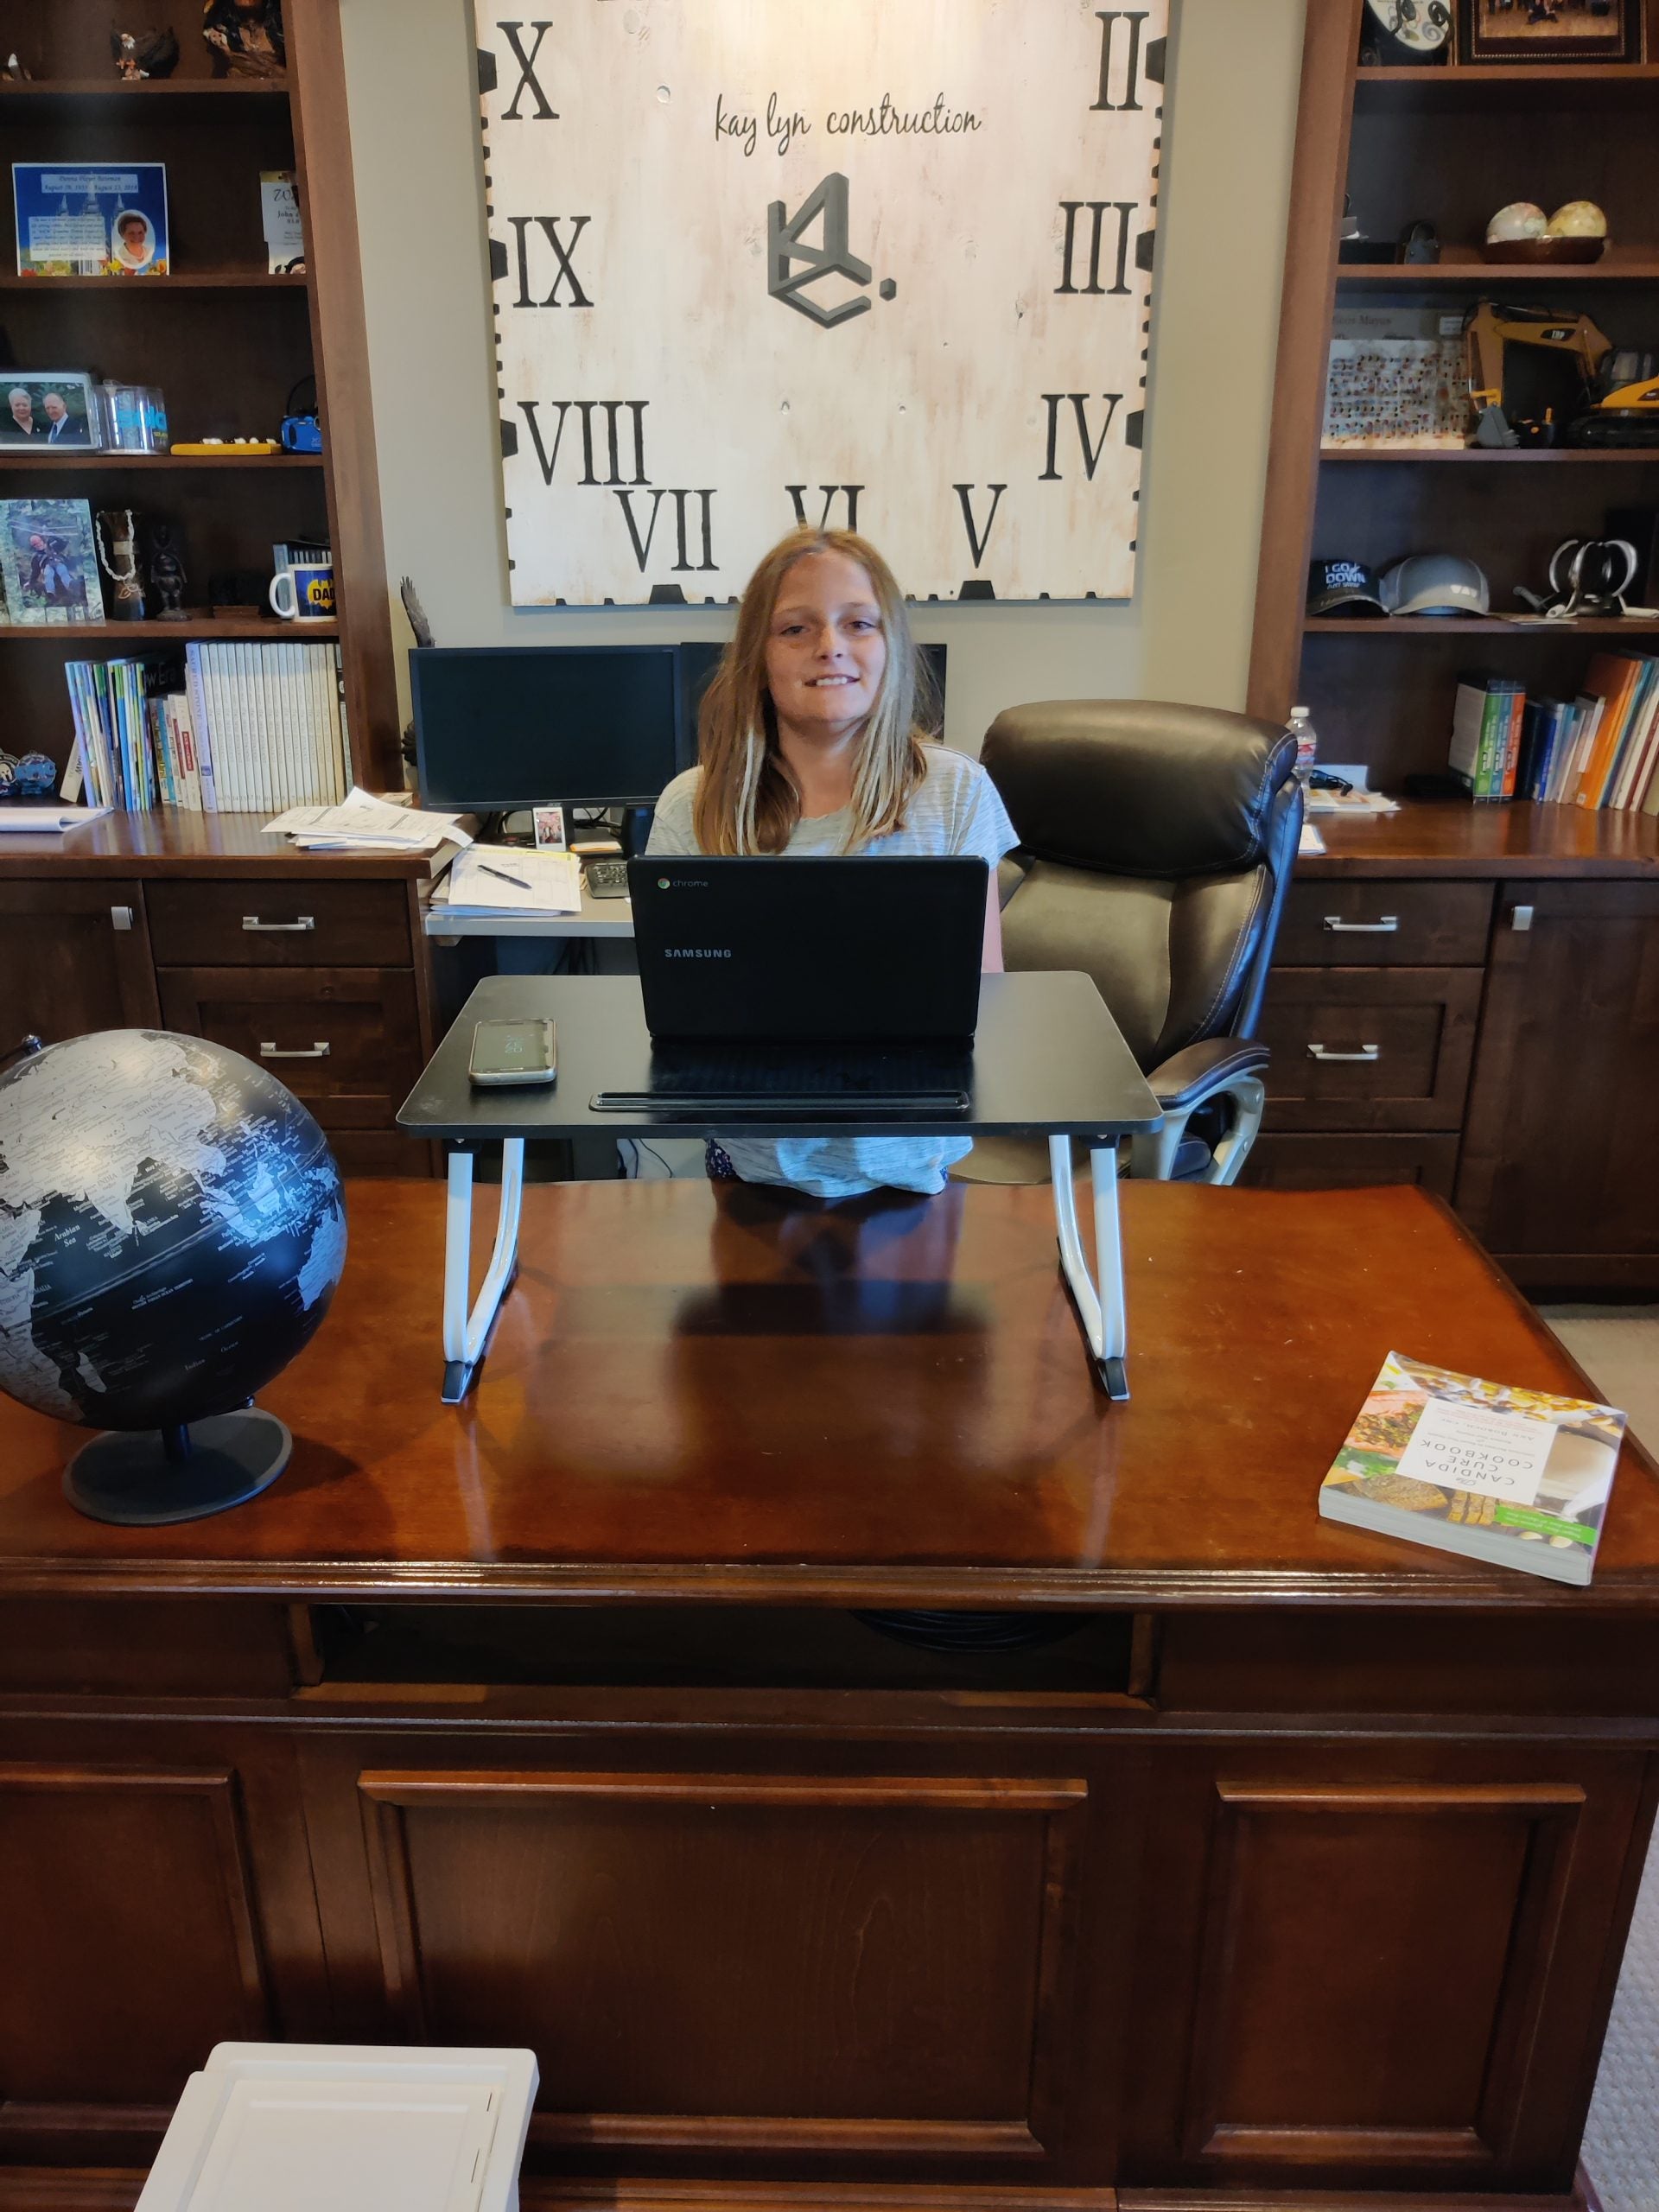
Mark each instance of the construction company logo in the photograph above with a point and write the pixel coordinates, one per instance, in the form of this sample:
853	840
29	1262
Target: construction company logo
832	256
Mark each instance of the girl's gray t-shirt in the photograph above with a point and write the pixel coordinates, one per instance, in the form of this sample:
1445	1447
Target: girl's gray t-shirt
957	810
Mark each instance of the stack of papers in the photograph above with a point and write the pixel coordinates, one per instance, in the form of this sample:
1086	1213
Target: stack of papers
513	880
362	823
1350	803
50	819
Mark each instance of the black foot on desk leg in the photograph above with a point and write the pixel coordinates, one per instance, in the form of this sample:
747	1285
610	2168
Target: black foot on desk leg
458	1376
1114	1377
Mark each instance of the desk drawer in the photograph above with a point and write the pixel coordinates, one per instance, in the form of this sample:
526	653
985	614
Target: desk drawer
346	1040
1382	923
280	922
1369	1048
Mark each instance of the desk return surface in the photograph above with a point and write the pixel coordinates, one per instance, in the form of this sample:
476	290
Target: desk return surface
1305	1863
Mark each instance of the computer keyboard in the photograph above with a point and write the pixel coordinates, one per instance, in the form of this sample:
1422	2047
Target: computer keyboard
694	1082
606	878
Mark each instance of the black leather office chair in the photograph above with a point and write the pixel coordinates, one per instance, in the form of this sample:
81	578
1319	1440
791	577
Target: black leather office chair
1156	844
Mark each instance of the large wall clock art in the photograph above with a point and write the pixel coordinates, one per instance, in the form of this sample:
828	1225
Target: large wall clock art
885	263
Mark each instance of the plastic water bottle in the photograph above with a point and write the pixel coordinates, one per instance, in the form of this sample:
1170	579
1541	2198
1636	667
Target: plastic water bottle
1300	726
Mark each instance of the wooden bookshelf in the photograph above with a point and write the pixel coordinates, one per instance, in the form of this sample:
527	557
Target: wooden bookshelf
1402	145
226	341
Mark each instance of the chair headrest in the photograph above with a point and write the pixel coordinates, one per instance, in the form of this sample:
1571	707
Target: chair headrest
1137	787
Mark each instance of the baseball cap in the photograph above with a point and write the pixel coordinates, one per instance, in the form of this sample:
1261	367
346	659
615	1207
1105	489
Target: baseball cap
1436	583
1332	584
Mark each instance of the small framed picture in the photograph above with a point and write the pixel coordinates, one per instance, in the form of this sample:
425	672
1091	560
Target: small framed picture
91	218
48	407
550	829
1551	30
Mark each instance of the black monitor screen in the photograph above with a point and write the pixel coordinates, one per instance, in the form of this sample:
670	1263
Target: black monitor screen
509	726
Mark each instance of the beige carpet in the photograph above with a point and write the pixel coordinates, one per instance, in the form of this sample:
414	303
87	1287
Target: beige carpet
1619	1347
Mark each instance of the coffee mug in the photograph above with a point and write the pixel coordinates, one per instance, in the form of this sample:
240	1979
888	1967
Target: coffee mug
308	592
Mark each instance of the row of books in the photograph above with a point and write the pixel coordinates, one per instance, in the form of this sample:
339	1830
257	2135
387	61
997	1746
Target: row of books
1600	749
253	726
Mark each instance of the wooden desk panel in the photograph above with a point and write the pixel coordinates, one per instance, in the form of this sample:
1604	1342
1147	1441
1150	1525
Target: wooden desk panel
790	1912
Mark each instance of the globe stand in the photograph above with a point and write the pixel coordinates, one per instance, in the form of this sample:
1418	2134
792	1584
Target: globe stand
146	1478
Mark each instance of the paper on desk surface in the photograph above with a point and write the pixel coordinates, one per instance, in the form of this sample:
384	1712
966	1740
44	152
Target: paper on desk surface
20	819
1310	840
481	881
366	824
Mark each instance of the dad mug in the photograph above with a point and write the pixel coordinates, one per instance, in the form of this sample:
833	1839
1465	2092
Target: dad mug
305	593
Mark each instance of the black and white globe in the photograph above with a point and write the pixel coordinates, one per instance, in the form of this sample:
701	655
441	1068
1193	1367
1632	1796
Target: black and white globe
172	1229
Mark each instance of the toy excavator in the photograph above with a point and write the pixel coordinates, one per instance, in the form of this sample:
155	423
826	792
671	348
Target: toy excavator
1591	394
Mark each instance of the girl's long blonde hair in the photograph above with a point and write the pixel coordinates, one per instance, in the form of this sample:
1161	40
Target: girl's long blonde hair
746	801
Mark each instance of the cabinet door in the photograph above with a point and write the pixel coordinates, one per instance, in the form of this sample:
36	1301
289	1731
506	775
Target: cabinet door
155	1899
892	1955
1381	1967
73	957
1560	1164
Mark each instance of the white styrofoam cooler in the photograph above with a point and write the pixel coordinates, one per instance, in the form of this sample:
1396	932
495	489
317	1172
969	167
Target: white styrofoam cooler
346	2127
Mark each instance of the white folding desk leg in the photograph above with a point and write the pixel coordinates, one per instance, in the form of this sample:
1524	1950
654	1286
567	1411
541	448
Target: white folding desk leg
1100	1311
467	1334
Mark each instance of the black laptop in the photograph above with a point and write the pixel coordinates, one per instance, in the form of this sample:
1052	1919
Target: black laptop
825	987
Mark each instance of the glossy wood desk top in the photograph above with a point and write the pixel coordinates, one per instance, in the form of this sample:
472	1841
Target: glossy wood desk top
1456	839
716	1395
171	842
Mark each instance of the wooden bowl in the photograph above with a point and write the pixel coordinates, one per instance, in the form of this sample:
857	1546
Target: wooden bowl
1546	249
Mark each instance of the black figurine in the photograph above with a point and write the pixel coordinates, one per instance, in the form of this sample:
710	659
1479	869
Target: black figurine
246	36
167	574
153	53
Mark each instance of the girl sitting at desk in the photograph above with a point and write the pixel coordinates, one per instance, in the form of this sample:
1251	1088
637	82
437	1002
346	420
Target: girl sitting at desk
811	744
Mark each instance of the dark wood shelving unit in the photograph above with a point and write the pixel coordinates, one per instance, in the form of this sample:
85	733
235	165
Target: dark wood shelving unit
1431	630
145	463
1466	268
1499	955
1401	145
149	637
226	341
1486	456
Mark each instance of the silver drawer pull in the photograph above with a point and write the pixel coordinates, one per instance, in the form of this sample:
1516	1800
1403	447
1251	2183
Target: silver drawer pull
298	1052
1365	1052
253	922
1385	926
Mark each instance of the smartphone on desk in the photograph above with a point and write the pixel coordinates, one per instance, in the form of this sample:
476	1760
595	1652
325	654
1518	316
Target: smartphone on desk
507	1052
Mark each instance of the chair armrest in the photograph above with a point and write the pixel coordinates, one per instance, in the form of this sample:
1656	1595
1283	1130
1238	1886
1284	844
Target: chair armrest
1199	1072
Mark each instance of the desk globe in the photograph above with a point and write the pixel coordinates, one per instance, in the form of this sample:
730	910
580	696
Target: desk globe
172	1228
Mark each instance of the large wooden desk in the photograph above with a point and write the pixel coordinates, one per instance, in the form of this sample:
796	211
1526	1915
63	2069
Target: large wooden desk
1305	1863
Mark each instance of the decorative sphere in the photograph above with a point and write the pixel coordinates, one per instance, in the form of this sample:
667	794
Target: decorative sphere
1520	219
172	1229
1579	218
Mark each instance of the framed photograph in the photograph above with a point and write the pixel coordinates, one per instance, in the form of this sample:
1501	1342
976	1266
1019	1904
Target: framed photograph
41	408
91	218
51	563
1551	30
550	829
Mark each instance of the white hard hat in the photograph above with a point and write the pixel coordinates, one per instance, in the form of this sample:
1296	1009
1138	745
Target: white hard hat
1520	219
1580	219
1436	583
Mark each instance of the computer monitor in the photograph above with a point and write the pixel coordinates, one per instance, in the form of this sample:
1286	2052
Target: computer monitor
498	726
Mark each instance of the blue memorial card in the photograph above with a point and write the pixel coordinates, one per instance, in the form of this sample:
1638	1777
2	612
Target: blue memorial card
91	218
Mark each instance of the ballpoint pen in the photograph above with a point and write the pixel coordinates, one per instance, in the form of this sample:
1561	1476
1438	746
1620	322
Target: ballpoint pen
523	881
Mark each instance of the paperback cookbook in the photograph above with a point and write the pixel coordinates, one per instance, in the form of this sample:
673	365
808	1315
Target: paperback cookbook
1516	1477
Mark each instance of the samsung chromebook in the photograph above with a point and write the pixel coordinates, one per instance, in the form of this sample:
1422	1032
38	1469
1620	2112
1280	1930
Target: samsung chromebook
822	986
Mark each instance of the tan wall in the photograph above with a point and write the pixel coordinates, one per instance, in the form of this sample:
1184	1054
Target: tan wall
1226	181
